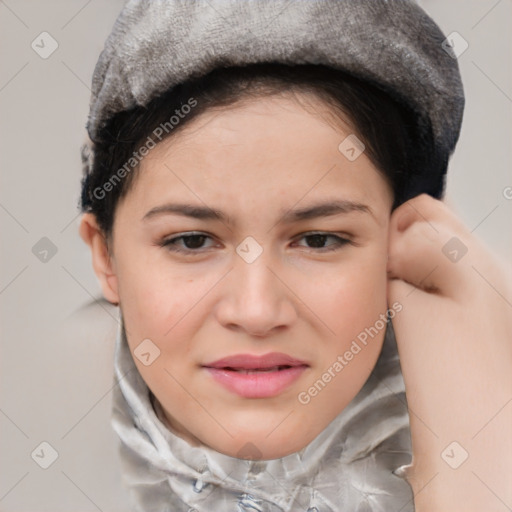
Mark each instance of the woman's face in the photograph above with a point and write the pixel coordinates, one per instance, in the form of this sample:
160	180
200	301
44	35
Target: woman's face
251	233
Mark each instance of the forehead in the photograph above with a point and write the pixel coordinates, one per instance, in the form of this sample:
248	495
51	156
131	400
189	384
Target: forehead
253	118
268	151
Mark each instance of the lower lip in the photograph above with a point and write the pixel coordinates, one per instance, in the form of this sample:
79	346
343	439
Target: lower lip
257	385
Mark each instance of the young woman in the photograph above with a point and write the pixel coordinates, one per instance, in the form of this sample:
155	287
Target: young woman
261	199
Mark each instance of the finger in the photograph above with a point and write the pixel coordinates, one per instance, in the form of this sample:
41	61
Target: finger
430	210
423	249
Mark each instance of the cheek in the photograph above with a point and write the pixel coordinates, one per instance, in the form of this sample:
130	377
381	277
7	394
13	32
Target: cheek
164	307
354	297
351	303
154	297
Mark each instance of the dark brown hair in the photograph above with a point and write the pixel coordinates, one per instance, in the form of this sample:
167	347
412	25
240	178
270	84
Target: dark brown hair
387	129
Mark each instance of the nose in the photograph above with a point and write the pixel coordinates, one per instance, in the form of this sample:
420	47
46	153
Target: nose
256	299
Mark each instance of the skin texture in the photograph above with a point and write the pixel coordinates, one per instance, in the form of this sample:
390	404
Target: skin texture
254	161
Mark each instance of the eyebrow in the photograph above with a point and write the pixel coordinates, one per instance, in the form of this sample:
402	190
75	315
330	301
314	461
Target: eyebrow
324	209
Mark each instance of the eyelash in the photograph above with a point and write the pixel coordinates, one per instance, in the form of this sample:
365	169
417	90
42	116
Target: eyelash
171	243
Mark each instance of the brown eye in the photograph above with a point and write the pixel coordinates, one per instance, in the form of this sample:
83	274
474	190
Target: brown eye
188	243
193	241
319	241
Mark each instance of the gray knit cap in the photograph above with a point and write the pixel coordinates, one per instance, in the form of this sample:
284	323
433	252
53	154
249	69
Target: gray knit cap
393	44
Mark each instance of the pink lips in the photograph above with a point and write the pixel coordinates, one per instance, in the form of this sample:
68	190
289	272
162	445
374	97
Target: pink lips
256	376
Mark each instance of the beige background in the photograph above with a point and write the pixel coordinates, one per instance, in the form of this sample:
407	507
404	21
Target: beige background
56	363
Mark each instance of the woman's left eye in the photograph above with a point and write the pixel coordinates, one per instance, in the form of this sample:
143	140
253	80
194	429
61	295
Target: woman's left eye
192	242
318	240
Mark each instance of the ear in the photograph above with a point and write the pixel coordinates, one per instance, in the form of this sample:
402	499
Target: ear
102	264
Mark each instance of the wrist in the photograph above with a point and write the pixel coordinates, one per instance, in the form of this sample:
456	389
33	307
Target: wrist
461	469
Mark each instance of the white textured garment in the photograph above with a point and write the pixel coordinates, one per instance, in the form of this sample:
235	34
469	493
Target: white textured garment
348	467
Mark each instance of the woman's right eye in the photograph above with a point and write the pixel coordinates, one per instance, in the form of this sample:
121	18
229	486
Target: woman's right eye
190	243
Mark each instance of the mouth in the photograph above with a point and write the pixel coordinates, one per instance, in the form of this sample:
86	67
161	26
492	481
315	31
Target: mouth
256	376
256	371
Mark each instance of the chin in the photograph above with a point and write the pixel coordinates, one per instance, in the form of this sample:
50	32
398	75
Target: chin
261	446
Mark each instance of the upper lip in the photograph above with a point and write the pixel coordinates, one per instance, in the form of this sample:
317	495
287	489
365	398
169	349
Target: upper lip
253	362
